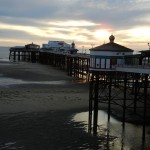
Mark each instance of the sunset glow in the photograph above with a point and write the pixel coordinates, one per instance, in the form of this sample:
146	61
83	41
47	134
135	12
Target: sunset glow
92	23
102	34
73	23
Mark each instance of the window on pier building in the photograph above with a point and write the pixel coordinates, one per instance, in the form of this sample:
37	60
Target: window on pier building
92	62
146	61
100	63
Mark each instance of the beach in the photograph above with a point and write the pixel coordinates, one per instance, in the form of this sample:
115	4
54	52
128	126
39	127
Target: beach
37	105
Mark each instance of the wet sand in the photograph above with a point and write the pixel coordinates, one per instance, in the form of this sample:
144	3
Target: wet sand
38	116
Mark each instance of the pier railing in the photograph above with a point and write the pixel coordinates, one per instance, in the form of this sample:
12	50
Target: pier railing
134	68
147	66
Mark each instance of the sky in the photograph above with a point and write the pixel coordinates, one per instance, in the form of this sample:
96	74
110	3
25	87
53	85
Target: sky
88	23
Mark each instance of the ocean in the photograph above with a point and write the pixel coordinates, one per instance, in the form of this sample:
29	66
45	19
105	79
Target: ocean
4	53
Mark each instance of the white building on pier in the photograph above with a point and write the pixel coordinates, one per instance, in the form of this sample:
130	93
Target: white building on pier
108	55
60	46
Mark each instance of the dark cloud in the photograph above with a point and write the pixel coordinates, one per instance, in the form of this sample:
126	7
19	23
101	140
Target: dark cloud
114	12
28	8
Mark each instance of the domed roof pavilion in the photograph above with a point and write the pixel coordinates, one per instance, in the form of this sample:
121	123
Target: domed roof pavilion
108	55
111	46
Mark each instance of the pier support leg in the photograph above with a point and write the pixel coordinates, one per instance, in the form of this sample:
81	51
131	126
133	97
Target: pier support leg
124	99
82	70
18	56
95	119
109	102
14	56
145	105
90	105
135	95
9	55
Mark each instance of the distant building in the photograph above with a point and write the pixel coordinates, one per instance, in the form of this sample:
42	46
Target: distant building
108	55
73	49
57	45
29	52
145	57
60	46
32	46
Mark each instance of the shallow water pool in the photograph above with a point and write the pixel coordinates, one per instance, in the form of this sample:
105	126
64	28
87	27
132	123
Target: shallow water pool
4	81
128	138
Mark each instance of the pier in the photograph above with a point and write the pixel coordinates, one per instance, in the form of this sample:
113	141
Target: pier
125	86
28	53
76	65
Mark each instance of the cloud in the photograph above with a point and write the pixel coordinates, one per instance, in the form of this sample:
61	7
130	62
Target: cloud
85	21
73	23
52	30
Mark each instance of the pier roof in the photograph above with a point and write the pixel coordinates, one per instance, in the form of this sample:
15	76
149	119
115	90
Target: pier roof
32	46
28	47
111	46
145	53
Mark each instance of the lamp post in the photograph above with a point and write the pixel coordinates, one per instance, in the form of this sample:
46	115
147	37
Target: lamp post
92	45
148	45
82	49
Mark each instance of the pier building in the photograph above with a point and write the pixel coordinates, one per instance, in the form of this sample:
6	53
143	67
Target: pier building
60	46
29	52
107	56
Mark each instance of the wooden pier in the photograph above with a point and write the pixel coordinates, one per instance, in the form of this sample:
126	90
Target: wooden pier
76	65
28	53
